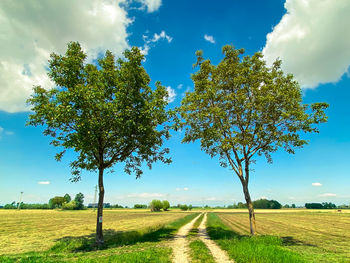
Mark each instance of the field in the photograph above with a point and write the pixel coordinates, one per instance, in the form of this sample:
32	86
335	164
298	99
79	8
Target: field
319	235
142	236
38	230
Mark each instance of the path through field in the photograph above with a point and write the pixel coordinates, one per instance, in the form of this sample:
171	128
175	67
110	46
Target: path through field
180	243
218	254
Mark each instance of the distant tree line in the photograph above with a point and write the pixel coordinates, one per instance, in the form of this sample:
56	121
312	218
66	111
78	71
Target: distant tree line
64	202
324	205
260	204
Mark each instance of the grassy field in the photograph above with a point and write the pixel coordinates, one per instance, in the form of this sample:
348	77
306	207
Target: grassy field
38	230
319	236
141	236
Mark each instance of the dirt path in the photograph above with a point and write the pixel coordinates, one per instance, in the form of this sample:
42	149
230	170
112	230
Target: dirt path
219	255
180	243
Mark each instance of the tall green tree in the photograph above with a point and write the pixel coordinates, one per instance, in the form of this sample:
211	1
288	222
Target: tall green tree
67	198
106	112
79	200
241	108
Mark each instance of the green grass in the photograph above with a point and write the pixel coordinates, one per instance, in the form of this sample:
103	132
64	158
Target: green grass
200	252
246	249
129	246
194	231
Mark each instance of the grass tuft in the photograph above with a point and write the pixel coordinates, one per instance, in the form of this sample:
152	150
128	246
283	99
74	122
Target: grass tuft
200	252
246	249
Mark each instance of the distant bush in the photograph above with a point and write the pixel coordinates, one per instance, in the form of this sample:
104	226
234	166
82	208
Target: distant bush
72	205
57	202
267	204
138	206
190	207
156	205
166	205
116	206
320	206
184	207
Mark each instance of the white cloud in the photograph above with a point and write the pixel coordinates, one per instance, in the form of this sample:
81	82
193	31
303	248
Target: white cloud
3	131
209	38
211	199
179	86
31	30
171	94
145	195
185	188
151	5
264	197
316	184
312	40
151	42
44	182
328	195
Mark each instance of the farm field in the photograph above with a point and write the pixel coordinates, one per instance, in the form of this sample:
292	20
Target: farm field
37	230
319	236
142	236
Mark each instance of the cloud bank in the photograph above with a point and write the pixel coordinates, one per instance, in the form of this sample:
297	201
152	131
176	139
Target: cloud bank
312	40
30	30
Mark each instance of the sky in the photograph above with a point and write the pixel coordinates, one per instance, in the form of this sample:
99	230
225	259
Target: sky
311	37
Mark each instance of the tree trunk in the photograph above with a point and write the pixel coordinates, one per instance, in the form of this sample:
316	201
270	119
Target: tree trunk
99	233
250	208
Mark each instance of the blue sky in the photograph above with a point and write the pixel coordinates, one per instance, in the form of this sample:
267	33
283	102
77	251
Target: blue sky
312	39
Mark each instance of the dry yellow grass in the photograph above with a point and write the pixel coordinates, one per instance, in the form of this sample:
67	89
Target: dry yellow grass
324	234
37	230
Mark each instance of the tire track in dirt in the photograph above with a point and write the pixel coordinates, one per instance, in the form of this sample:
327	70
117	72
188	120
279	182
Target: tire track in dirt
219	255
180	243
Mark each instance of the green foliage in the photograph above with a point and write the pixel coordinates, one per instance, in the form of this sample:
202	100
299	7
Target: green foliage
72	205
242	107
156	205
116	206
190	207
106	113
246	249
267	204
67	198
184	207
166	205
140	206
79	201
56	202
324	205
200	253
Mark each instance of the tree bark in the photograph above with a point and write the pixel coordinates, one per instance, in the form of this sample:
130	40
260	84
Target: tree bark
99	233
250	208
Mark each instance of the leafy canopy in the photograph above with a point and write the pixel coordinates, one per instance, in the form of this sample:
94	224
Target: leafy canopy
107	112
241	107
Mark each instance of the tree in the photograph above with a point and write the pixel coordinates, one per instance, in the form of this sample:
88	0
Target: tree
156	205
79	201
106	112
56	202
166	205
242	108
67	198
184	207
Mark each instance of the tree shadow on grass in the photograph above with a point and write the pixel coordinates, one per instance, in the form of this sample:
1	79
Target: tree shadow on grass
291	241
112	239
